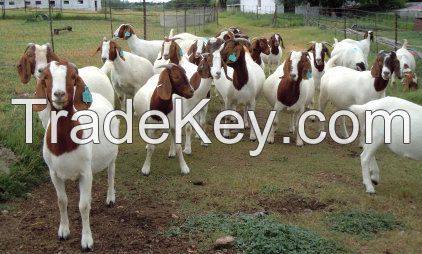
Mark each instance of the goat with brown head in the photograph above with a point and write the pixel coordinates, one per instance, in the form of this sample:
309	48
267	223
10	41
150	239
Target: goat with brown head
110	50
233	55
171	50
195	51
410	80
124	32
370	34
274	42
385	64
297	67
319	51
203	71
259	46
33	61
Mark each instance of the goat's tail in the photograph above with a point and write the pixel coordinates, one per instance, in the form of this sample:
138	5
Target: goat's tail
335	42
332	62
404	44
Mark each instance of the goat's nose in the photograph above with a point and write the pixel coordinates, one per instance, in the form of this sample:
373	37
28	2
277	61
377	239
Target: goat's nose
293	76
104	59
40	69
59	93
386	73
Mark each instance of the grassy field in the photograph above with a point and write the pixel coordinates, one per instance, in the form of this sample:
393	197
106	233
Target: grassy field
316	187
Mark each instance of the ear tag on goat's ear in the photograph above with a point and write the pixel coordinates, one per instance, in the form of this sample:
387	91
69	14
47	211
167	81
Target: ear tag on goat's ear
127	34
120	53
180	52
86	96
232	57
309	74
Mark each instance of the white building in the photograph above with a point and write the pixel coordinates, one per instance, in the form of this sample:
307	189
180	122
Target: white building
260	6
88	5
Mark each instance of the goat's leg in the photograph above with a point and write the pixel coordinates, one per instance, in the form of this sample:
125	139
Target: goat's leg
252	134
299	141
374	171
150	150
85	187
270	138
184	169
59	185
172	151
188	141
111	193
365	160
292	126
245	117
322	103
203	121
226	132
345	133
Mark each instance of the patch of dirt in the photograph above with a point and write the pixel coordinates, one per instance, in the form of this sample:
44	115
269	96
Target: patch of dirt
292	203
131	226
7	159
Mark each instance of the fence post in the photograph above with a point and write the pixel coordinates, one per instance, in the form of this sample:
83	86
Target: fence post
257	12
111	18
145	19
275	16
3	11
164	18
376	33
177	20
23	2
51	26
344	26
217	14
395	31
185	21
203	25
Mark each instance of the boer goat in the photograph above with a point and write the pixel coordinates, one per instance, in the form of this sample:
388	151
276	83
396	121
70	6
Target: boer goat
290	88
407	68
276	45
195	51
260	46
345	87
66	159
157	94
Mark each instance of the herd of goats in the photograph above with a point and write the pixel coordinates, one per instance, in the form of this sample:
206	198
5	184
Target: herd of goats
185	66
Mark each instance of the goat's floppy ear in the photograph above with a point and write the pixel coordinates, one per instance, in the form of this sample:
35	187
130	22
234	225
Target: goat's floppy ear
376	69
119	52
83	97
306	68
287	66
327	51
99	48
40	93
396	62
311	48
164	87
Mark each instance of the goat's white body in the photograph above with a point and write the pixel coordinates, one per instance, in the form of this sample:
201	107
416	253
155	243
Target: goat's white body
187	43
130	75
247	95
405	57
272	59
144	48
348	55
370	170
107	66
307	90
364	45
142	104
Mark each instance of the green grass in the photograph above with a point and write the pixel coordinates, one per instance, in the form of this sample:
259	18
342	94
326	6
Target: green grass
363	224
256	235
234	181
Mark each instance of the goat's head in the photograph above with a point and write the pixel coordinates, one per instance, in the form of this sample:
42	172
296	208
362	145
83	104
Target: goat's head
195	51
34	60
370	34
410	80
213	45
104	47
276	40
173	79
261	45
216	61
234	30
61	85
319	51
297	66
385	64
225	35
110	50
204	67
124	31
170	49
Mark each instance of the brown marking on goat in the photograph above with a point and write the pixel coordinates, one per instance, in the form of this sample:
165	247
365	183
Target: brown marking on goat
213	46
51	56
324	51
195	81
203	72
114	51
274	43
100	46
174	51
240	74
123	29
171	81
393	64
288	91
193	58
259	46
26	65
408	83
365	35
73	99
405	66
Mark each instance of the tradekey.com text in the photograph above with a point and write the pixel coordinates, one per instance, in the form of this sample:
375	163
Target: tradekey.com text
181	119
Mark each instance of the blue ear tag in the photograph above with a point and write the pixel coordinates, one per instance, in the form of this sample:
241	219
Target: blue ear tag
127	34
86	96
309	74
180	52
205	39
121	53
232	57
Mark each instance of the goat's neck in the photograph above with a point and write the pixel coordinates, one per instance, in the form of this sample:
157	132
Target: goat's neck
164	106
288	91
240	71
64	126
380	84
132	41
256	56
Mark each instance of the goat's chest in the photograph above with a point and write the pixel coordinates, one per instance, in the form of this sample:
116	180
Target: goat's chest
69	165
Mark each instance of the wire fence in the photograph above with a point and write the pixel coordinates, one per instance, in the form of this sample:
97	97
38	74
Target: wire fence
390	29
150	22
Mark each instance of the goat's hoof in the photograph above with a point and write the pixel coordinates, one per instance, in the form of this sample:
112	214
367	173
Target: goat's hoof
374	182
64	233
185	170
110	204
88	249
144	174
187	151
87	243
64	238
